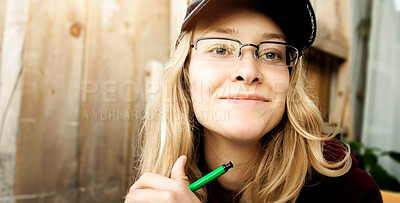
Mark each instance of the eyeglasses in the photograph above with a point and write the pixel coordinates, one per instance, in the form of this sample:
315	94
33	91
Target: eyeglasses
225	49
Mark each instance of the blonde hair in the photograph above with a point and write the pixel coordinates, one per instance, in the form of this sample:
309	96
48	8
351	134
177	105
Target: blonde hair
293	149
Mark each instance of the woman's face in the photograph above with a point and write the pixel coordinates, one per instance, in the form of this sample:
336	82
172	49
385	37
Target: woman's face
239	100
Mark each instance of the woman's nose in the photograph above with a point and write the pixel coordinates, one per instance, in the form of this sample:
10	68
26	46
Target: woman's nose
247	68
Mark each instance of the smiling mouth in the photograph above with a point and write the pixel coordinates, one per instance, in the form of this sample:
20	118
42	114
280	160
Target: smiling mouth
245	98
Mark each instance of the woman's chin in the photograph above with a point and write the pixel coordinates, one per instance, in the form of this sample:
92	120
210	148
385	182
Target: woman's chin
243	128
244	136
241	134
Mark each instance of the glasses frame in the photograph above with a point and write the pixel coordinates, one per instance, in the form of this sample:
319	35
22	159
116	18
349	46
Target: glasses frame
299	53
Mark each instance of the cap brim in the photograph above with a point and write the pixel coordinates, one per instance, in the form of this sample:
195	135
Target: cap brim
296	17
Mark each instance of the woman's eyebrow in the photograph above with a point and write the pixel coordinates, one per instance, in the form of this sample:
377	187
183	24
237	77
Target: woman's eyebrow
271	35
226	30
230	31
222	30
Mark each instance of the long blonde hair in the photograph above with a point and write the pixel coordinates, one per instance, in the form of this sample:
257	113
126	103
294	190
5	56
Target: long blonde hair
292	149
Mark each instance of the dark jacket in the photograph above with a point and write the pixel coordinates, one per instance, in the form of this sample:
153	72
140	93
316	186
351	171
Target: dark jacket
353	187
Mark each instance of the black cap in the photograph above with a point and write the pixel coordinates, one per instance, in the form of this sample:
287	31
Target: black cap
295	17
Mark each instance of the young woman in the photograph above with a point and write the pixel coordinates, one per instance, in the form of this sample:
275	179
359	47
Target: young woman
234	91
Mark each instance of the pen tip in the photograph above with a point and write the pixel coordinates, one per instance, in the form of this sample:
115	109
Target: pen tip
228	166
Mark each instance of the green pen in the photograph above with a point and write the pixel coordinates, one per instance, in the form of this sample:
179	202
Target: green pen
210	176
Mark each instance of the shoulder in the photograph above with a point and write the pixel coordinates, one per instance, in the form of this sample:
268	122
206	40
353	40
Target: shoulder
359	186
354	186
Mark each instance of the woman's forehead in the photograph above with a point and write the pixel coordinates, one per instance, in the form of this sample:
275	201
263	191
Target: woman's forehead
238	22
265	36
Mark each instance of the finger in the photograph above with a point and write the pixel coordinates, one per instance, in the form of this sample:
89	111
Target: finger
178	170
153	181
148	195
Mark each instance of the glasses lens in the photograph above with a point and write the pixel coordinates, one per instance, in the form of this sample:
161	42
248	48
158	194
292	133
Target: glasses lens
278	54
217	49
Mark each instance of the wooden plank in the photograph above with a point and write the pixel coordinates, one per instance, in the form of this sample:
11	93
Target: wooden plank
341	108
178	11
14	15
334	37
8	147
348	119
153	29
390	197
342	111
320	68
46	164
123	36
333	32
157	32
3	5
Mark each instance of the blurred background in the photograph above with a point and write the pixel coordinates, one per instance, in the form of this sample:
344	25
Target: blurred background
75	76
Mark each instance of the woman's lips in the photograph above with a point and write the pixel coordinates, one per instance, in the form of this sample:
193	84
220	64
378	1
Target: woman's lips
246	99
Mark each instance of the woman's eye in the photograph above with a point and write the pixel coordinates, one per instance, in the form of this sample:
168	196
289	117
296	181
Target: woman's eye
271	55
220	51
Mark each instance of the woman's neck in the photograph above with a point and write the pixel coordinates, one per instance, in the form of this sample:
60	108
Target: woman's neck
219	150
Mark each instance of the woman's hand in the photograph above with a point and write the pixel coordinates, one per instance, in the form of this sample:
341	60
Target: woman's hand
151	187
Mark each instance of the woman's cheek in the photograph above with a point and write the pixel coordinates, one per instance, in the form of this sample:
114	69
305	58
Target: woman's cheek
281	91
278	83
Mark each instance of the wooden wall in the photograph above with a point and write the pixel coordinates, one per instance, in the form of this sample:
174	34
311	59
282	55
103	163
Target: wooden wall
329	63
73	79
12	29
71	76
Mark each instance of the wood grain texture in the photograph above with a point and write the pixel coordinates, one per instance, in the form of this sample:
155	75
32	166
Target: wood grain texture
333	30
46	163
341	108
390	197
14	15
334	37
123	36
108	95
156	32
3	5
178	11
320	72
